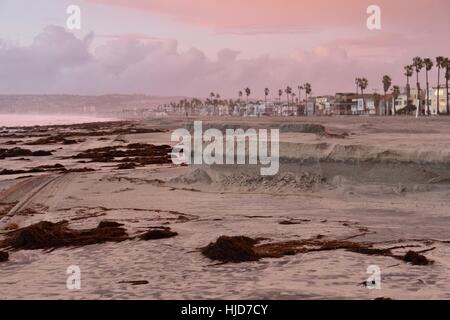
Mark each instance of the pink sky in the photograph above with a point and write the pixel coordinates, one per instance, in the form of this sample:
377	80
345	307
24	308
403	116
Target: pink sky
179	47
305	14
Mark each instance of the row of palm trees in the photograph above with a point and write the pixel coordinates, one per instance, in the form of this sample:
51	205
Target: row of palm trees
418	63
290	95
214	99
362	84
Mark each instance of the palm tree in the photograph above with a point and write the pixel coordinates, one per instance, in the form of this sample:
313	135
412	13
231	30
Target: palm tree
418	65
357	82
293	95
447	78
408	74
213	101
395	94
266	93
439	64
247	93
363	83
300	88
308	90
217	102
387	82
280	93
428	63
288	91
240	94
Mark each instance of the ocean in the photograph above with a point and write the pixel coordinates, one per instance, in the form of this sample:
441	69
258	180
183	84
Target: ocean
23	120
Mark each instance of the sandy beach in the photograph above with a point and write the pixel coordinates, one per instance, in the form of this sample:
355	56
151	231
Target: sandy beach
351	192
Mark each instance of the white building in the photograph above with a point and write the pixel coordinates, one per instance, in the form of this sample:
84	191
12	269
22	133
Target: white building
442	100
324	104
359	103
310	107
401	102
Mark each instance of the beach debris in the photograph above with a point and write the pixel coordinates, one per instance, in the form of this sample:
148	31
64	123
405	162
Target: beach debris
138	153
78	170
109	224
416	259
11	226
126	166
242	249
232	249
51	140
158	233
46	168
12	142
49	235
4	256
19	152
288	222
293	221
94	129
135	282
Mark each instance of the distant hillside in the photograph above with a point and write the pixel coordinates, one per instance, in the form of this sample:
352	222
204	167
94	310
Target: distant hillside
79	104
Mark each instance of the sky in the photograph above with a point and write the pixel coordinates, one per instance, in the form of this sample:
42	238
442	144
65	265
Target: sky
192	48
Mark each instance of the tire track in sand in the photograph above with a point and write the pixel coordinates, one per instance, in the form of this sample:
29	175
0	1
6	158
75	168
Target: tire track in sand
29	190
37	186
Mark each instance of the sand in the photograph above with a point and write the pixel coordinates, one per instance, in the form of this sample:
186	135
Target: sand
387	183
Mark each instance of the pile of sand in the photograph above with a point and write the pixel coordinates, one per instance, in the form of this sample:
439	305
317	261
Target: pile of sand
247	180
195	176
304	181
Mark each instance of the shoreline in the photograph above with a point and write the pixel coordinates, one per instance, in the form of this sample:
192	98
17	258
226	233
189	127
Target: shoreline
58	120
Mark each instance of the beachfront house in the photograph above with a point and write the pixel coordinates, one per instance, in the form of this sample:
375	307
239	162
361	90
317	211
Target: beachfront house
365	105
343	103
311	107
442	100
324	105
269	109
253	109
401	102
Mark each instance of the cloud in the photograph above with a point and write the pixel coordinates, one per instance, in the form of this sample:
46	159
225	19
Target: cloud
52	53
59	62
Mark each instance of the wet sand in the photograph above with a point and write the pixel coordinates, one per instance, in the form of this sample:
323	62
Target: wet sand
377	182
